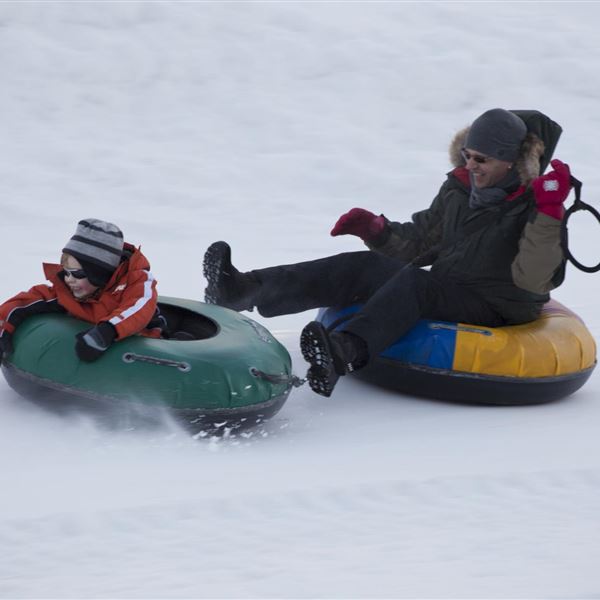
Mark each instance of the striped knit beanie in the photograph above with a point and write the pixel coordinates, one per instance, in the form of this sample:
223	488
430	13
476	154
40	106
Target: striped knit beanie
98	246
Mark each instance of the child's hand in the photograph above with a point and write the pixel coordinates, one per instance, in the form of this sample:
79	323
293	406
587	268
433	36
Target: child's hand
92	343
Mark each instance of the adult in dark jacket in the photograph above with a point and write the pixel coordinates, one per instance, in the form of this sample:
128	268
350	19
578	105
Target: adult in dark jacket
491	237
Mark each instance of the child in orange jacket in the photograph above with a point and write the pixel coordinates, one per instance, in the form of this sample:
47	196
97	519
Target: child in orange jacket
101	280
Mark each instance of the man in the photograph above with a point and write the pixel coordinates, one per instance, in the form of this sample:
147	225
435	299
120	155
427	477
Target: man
491	237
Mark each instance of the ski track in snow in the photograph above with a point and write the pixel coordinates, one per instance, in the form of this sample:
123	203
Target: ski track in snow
414	538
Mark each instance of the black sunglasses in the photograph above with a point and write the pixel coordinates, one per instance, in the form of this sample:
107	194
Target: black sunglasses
76	273
478	159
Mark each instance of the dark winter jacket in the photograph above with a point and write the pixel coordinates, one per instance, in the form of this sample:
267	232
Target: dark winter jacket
511	254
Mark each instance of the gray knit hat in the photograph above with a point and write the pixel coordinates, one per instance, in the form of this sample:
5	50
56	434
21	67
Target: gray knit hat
497	133
98	246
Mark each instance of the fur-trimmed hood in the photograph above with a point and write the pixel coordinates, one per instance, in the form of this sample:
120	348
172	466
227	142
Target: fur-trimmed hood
528	164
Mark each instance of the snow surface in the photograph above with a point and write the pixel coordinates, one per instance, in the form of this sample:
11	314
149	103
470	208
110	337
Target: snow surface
260	123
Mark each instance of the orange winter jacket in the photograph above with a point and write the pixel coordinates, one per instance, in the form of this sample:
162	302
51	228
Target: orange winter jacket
128	301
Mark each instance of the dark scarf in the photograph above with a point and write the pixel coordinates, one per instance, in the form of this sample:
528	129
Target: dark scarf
493	196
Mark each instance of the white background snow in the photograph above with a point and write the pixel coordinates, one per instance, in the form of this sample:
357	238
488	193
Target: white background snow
260	123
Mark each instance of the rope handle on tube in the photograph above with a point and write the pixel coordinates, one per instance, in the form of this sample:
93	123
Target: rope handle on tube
577	205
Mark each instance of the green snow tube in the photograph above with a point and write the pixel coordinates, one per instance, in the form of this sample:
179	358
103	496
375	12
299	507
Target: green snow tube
229	369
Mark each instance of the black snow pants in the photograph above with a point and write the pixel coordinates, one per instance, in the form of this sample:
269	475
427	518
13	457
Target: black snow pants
395	295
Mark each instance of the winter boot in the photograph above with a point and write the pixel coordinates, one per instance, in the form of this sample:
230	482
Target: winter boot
330	355
226	285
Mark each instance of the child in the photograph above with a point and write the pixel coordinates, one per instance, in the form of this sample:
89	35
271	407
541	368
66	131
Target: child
101	280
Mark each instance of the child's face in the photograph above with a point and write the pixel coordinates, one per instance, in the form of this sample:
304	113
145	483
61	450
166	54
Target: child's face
80	288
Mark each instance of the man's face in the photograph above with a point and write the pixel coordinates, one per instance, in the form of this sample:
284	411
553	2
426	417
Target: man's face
487	171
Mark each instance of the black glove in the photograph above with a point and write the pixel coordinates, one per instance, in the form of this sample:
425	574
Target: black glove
6	346
92	343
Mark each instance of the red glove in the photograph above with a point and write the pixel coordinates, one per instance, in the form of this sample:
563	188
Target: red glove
552	189
360	222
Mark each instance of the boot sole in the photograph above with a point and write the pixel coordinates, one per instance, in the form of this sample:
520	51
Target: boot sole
212	264
316	350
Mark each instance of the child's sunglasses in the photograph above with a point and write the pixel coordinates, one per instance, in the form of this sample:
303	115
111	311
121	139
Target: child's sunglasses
76	273
478	159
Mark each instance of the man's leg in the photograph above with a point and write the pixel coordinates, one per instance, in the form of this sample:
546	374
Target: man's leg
337	280
411	294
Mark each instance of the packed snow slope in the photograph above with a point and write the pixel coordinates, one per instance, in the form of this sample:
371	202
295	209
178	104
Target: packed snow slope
260	123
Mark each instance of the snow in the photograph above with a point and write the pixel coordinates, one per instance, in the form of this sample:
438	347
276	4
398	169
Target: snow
260	123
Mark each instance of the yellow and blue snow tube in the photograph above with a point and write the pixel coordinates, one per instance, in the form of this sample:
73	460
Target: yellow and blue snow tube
533	363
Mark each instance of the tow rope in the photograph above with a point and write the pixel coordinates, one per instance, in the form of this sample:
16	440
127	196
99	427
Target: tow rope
290	380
